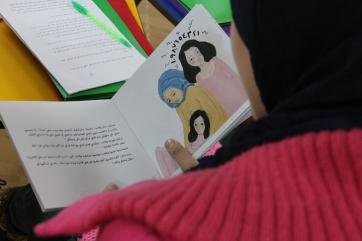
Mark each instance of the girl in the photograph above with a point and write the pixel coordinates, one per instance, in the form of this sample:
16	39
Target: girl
201	66
294	174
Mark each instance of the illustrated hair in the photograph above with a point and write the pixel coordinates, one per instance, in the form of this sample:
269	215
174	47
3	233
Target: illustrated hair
192	136
206	49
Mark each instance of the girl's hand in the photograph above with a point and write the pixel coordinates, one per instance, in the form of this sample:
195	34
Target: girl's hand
180	155
110	187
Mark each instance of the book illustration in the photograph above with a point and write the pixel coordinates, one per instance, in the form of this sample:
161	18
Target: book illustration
199	130
206	73
202	67
186	98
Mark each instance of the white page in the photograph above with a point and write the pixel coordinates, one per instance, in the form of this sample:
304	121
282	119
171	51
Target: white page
45	136
151	119
75	50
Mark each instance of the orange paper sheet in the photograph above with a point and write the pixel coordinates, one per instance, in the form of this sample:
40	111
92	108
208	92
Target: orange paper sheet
22	77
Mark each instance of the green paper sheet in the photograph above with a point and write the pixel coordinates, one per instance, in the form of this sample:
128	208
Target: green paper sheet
117	21
104	92
219	9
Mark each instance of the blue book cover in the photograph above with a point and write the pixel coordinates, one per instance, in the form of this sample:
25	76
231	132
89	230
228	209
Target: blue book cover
168	10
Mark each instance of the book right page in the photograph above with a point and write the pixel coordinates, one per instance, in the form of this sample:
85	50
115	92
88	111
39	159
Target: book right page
188	90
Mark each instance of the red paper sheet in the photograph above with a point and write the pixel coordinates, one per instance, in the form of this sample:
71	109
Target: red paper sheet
122	9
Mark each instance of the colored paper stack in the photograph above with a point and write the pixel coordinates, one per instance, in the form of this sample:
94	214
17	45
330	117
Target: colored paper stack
122	22
124	15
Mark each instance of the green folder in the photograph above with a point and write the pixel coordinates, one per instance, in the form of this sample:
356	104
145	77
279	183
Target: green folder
219	9
106	91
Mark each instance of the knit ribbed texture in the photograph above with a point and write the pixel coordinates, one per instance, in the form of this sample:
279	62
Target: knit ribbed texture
93	234
303	188
90	236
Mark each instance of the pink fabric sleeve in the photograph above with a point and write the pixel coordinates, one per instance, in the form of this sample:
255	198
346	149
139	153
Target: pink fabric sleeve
93	234
302	188
130	231
88	213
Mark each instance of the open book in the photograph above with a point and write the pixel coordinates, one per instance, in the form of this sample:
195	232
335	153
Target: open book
187	90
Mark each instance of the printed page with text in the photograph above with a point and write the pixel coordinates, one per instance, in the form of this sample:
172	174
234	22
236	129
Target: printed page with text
70	150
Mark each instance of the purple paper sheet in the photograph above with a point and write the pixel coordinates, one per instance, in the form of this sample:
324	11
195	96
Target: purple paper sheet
226	28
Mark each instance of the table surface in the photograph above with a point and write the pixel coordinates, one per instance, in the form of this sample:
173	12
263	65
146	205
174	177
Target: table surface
22	77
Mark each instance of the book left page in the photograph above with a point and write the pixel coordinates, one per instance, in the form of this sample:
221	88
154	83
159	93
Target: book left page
70	150
75	50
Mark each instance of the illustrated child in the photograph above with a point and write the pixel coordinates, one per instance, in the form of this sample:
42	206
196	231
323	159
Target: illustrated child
199	130
203	68
186	98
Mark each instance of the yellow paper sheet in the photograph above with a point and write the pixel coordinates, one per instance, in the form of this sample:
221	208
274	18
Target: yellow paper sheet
132	6
22	77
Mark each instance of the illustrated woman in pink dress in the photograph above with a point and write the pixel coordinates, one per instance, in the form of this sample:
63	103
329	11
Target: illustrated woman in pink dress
202	67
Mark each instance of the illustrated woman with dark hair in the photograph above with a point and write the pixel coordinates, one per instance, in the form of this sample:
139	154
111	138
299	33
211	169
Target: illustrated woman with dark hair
199	130
202	67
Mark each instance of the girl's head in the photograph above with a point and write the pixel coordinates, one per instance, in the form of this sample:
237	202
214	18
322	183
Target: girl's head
301	56
193	54
172	87
199	125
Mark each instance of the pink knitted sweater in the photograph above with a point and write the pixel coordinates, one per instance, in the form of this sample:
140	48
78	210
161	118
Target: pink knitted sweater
307	187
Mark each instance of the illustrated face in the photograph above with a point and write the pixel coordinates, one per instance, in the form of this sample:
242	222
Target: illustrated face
199	125
173	95
194	57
